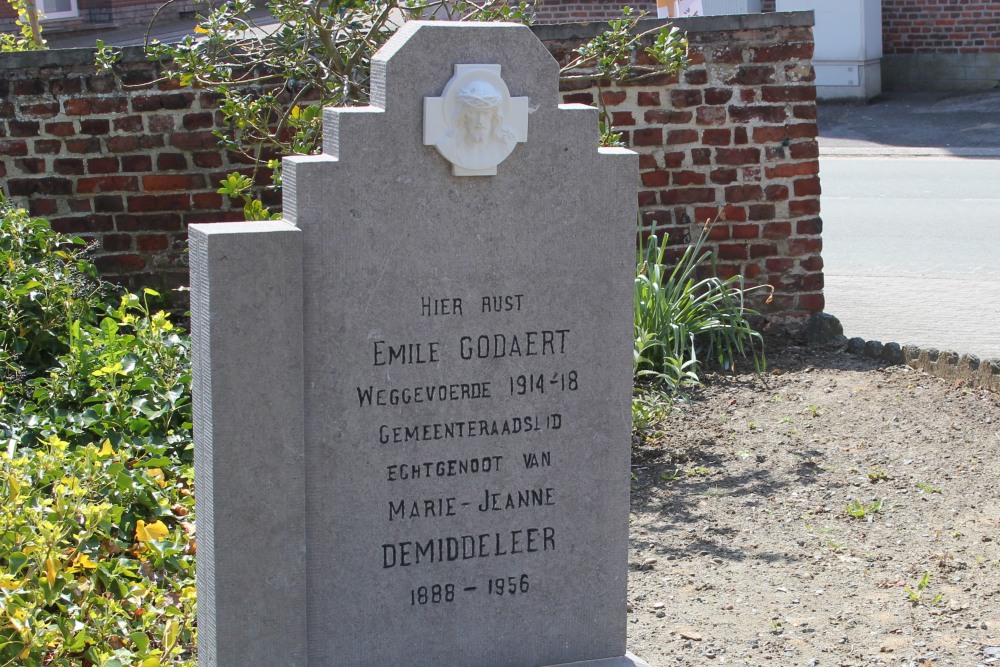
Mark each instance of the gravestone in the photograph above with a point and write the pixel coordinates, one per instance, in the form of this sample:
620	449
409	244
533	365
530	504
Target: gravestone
413	394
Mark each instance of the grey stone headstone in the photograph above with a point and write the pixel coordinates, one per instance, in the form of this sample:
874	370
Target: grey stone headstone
413	394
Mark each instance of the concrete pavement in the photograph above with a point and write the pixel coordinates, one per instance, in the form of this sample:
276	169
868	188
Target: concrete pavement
911	212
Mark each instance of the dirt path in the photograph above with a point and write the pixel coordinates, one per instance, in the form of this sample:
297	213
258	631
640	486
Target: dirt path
744	550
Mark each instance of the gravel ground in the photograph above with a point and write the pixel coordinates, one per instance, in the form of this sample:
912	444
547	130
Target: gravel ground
830	512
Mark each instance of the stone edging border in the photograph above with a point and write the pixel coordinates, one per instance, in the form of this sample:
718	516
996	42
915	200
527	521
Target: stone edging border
825	329
945	364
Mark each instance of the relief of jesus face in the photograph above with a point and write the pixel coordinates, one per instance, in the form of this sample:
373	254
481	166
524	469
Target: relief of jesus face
479	124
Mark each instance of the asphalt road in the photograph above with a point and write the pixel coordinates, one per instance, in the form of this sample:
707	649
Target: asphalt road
911	248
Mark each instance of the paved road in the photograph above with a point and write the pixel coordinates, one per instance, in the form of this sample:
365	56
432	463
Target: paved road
911	219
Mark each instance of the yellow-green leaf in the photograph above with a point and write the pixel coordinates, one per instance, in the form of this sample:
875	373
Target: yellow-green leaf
106	449
148	532
50	571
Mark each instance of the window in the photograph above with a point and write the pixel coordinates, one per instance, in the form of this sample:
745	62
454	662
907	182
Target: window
57	9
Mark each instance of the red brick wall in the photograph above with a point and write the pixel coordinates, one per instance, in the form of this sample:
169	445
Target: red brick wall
736	132
581	11
940	26
127	170
131	169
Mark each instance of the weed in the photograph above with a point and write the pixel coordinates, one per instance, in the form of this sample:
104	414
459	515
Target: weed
916	596
814	410
860	510
752	425
924	487
671	476
699	471
876	475
786	420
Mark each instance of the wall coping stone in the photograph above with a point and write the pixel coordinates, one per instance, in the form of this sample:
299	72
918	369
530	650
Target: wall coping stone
556	31
695	24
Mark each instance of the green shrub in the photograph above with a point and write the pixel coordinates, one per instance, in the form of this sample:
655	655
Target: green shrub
683	321
45	283
96	504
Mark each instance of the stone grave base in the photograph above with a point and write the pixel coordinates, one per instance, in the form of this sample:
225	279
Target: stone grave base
627	660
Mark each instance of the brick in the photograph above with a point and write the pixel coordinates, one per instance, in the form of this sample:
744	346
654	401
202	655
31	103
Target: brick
60	129
668	117
788	93
162	222
684	178
24	128
647	198
728	55
63	87
732	251
151	243
673	160
173	182
160	123
40	207
79	106
168	161
752	75
768	133
158	203
95	126
128	124
620	118
199	121
118	264
802	131
195	140
85	224
68	166
736	194
811	303
682	98
40	109
116	242
13	147
740	137
758	250
723	176
137	163
30	165
737	156
29	87
103	165
733	213
79	205
763	114
682	137
776	192
655	179
123	144
613	98
809	227
805	111
648	99
107	184
804	150
777	230
782	52
207	200
701	157
779	264
647	161
792	169
687	196
761	211
652	136
712	115
44	146
814	263
696	77
806	187
579	98
99	83
26	187
800	207
745	232
148	141
718	137
108	204
718	95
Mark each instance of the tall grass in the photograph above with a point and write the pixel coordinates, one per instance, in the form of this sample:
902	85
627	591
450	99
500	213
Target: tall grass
683	321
